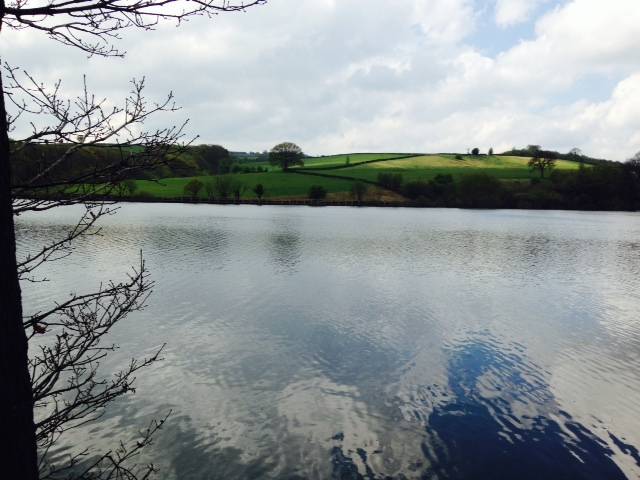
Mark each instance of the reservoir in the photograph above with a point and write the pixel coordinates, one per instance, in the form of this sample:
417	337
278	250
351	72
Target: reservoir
367	343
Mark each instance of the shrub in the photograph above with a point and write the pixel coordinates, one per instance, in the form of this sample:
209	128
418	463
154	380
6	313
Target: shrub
317	192
130	185
443	179
224	186
358	189
193	188
390	181
415	190
479	190
259	191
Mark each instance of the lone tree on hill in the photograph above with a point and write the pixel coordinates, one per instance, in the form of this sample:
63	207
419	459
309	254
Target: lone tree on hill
533	149
542	161
575	153
286	155
475	151
61	379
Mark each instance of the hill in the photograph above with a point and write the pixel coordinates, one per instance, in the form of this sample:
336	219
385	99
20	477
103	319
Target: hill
449	180
337	176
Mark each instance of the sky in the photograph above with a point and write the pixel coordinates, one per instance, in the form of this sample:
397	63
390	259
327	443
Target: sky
340	76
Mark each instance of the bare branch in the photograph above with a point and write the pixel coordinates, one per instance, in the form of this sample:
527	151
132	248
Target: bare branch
68	389
120	146
93	25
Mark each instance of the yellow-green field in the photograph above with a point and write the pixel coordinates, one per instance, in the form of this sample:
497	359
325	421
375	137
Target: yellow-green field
426	162
425	167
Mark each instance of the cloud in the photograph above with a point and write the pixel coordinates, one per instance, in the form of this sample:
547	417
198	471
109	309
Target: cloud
584	36
512	12
348	75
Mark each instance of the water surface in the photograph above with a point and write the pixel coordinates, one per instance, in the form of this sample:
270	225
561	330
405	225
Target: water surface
365	343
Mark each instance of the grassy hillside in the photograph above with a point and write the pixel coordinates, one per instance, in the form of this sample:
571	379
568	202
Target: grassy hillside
426	167
343	160
330	172
438	180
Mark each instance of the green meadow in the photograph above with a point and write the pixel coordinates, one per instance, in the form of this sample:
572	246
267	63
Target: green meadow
343	160
327	170
278	185
425	167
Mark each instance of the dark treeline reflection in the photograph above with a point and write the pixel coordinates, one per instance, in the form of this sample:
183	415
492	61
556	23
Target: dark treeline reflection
285	246
481	433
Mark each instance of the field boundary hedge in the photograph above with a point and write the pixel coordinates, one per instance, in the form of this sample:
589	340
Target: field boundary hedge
355	164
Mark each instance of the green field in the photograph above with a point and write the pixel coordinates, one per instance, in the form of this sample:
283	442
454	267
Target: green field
342	160
281	185
277	185
425	167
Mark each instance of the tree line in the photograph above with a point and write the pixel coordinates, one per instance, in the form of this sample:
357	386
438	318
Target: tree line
604	186
50	162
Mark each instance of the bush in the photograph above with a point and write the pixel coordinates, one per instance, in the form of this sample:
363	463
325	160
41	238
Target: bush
259	191
130	186
479	190
390	181
209	189
358	189
224	186
144	195
317	192
193	188
443	179
416	190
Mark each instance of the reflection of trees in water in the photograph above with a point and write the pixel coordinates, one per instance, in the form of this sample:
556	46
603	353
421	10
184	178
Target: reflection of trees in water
480	431
285	246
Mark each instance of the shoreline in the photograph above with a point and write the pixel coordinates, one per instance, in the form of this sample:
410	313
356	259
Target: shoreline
327	203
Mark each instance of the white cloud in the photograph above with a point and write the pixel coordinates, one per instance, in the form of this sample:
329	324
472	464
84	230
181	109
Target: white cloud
512	12
404	76
583	36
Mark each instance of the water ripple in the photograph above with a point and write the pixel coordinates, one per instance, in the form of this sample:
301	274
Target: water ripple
370	343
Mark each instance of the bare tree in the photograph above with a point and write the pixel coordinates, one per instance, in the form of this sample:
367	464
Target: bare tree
93	25
67	388
59	387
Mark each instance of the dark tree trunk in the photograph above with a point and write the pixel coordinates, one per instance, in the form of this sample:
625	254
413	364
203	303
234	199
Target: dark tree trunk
18	454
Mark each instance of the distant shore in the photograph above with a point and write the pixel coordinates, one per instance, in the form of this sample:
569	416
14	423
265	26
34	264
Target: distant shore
330	203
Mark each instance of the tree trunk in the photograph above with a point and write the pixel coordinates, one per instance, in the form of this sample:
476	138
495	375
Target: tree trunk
18	454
